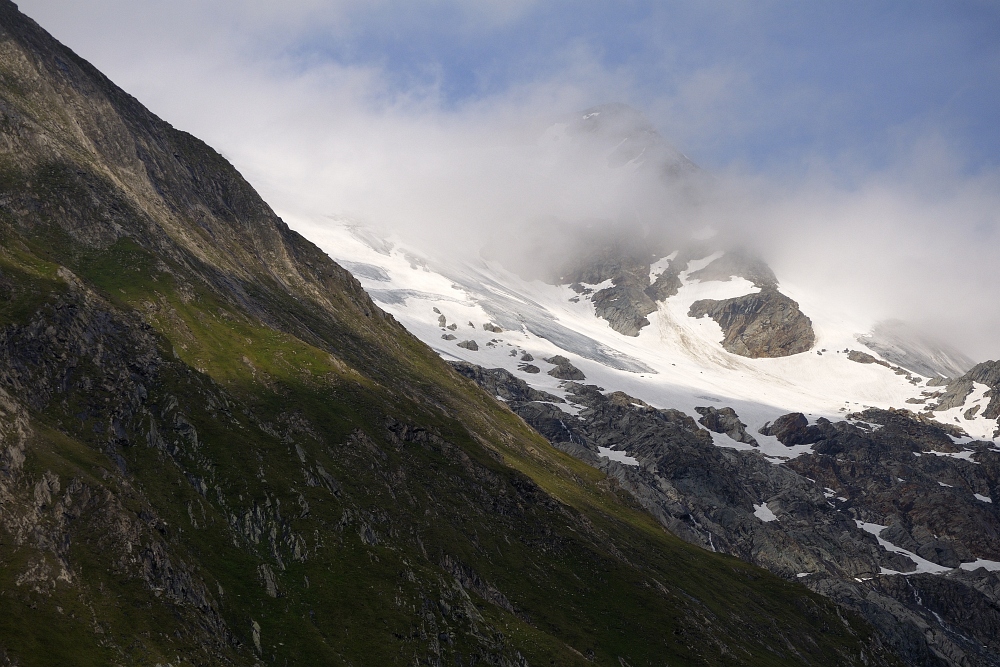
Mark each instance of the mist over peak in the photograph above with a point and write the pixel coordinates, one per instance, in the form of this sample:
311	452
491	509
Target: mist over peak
904	344
473	130
632	137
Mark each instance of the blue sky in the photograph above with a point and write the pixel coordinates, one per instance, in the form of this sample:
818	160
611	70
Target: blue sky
769	84
807	78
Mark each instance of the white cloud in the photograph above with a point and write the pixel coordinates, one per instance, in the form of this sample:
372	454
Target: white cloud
916	239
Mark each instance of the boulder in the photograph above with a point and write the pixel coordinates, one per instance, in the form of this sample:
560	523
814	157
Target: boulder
793	429
564	370
764	324
725	421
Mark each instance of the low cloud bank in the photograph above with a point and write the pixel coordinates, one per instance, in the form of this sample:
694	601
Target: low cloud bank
918	238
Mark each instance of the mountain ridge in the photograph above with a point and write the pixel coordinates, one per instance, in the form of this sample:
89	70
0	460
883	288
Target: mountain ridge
218	450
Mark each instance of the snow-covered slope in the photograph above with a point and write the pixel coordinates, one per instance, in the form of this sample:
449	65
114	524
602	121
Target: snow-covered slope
675	362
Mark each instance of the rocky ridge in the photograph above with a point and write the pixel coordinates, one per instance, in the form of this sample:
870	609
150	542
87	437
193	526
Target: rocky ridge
904	346
762	324
811	518
957	390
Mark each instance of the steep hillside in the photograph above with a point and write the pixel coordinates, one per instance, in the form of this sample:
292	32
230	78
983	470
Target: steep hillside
217	450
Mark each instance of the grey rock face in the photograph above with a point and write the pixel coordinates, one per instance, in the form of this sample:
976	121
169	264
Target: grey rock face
564	370
632	297
448	337
529	368
502	383
765	324
987	373
666	285
738	264
955	394
469	345
958	390
793	429
625	304
864	358
726	421
625	307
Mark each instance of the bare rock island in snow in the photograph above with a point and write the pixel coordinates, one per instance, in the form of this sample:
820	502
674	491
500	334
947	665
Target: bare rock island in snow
765	324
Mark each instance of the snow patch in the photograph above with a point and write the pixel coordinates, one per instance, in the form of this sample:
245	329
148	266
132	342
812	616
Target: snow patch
985	499
979	427
764	513
923	565
990	565
657	268
615	455
965	455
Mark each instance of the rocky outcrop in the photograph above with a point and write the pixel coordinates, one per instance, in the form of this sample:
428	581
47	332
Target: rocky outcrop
891	468
957	390
764	324
726	421
988	373
793	429
564	370
738	264
625	307
502	383
469	345
667	284
625	304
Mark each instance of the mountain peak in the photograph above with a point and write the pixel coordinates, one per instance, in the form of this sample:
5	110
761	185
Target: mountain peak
628	136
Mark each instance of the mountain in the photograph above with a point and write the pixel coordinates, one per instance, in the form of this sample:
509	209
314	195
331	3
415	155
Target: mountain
215	448
901	344
749	416
628	138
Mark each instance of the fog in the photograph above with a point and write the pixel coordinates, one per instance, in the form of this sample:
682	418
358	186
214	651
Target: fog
913	234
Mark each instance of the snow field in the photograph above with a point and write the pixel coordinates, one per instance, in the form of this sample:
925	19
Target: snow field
687	366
